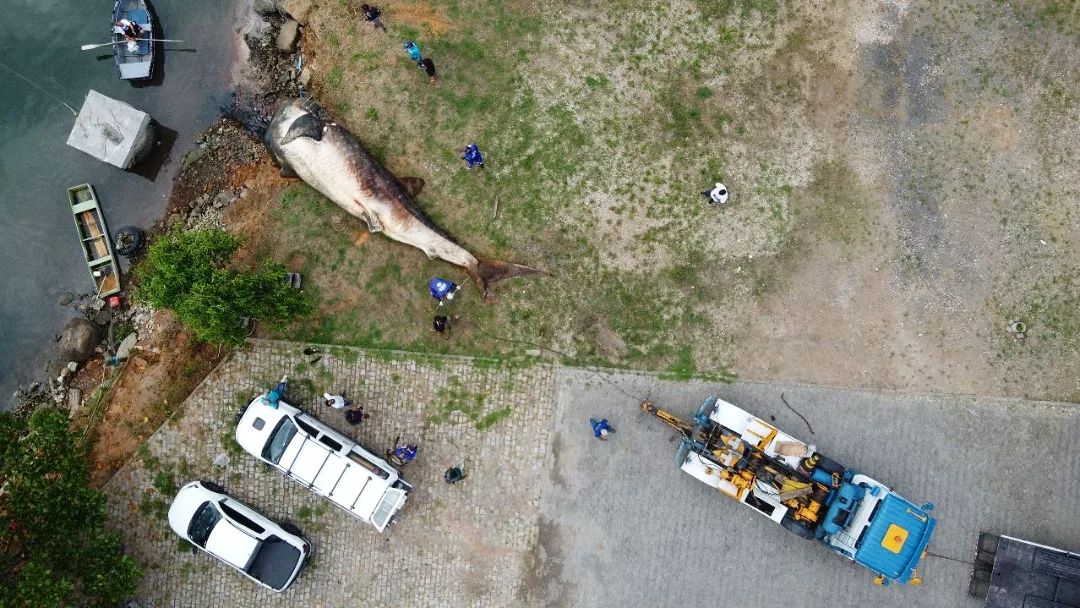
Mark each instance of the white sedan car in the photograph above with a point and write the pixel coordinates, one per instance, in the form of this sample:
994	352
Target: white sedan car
267	553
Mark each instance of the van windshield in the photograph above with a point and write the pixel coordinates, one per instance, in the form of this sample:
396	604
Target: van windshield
279	440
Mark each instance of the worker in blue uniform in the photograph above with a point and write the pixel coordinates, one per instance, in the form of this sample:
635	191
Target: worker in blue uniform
442	289
601	428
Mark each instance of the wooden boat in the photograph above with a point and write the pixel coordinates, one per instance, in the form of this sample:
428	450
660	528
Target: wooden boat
134	61
94	238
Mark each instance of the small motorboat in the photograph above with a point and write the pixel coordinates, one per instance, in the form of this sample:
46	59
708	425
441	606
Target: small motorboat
94	239
134	58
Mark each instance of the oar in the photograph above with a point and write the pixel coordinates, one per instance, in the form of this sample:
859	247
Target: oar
87	47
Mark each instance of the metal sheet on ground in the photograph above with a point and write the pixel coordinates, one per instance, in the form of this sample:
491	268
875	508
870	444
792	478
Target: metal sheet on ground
622	526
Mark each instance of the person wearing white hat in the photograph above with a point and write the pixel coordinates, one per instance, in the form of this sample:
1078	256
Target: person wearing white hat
717	195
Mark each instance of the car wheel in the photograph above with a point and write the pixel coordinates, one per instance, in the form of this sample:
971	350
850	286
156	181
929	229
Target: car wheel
213	487
291	528
128	240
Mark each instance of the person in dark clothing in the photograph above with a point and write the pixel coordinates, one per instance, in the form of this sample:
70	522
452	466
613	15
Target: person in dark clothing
441	326
453	475
355	415
374	15
428	66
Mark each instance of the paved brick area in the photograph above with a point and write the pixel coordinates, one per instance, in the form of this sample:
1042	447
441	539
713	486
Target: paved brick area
621	526
463	545
550	516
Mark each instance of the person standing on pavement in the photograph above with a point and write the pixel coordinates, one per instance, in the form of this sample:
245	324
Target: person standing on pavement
374	15
336	401
601	428
355	415
453	475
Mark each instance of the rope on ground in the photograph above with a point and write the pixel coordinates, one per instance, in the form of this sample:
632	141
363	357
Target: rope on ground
797	414
951	559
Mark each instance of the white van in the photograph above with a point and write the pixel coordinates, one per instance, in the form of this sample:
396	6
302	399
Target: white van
327	462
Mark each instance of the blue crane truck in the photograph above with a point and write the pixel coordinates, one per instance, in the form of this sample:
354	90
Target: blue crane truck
801	489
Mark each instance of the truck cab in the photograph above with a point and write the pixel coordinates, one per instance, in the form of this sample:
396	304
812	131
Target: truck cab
322	459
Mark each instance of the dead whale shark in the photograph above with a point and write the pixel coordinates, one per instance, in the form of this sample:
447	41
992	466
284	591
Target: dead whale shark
334	162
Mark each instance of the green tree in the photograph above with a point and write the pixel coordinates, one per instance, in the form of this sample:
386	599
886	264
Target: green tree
190	273
54	548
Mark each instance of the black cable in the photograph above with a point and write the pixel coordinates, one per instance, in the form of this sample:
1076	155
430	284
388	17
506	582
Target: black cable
797	413
951	559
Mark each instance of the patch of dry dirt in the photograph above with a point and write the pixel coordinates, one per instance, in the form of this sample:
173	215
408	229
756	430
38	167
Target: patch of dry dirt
161	373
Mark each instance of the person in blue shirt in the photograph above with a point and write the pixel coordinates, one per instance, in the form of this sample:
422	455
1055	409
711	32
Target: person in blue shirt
406	453
278	392
414	51
601	428
442	289
473	157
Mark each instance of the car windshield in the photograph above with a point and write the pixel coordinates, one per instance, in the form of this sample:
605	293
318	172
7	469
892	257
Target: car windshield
202	524
279	440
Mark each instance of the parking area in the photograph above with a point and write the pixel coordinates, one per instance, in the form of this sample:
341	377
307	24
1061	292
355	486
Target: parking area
621	526
461	545
549	516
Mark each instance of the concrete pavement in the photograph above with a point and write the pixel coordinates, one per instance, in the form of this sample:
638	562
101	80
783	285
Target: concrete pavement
622	526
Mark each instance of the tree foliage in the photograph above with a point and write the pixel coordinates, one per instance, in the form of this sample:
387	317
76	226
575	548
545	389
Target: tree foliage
190	273
54	548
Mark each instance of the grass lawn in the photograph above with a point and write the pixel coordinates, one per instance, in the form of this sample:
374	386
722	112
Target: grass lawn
850	137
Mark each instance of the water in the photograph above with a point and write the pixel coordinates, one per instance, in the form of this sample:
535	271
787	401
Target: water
39	254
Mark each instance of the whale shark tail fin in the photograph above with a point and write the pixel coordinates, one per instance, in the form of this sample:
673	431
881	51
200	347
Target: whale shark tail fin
487	272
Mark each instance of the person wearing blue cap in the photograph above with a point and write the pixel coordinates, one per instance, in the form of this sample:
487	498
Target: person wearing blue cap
442	289
414	51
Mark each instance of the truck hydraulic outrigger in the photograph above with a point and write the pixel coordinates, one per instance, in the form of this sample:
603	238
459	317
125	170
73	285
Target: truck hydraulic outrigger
804	491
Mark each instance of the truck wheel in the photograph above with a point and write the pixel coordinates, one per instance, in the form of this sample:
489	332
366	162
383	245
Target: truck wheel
792	525
213	487
291	528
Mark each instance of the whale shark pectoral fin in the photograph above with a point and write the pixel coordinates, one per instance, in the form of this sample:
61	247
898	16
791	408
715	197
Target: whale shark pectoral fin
305	126
413	185
373	223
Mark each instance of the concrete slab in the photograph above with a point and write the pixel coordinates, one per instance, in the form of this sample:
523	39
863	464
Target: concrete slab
621	526
111	130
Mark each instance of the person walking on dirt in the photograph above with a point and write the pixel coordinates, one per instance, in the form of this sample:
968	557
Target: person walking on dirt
374	15
601	428
428	66
442	289
414	51
442	325
473	157
718	195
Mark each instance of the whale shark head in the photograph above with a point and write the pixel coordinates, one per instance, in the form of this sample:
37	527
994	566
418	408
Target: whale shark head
291	122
